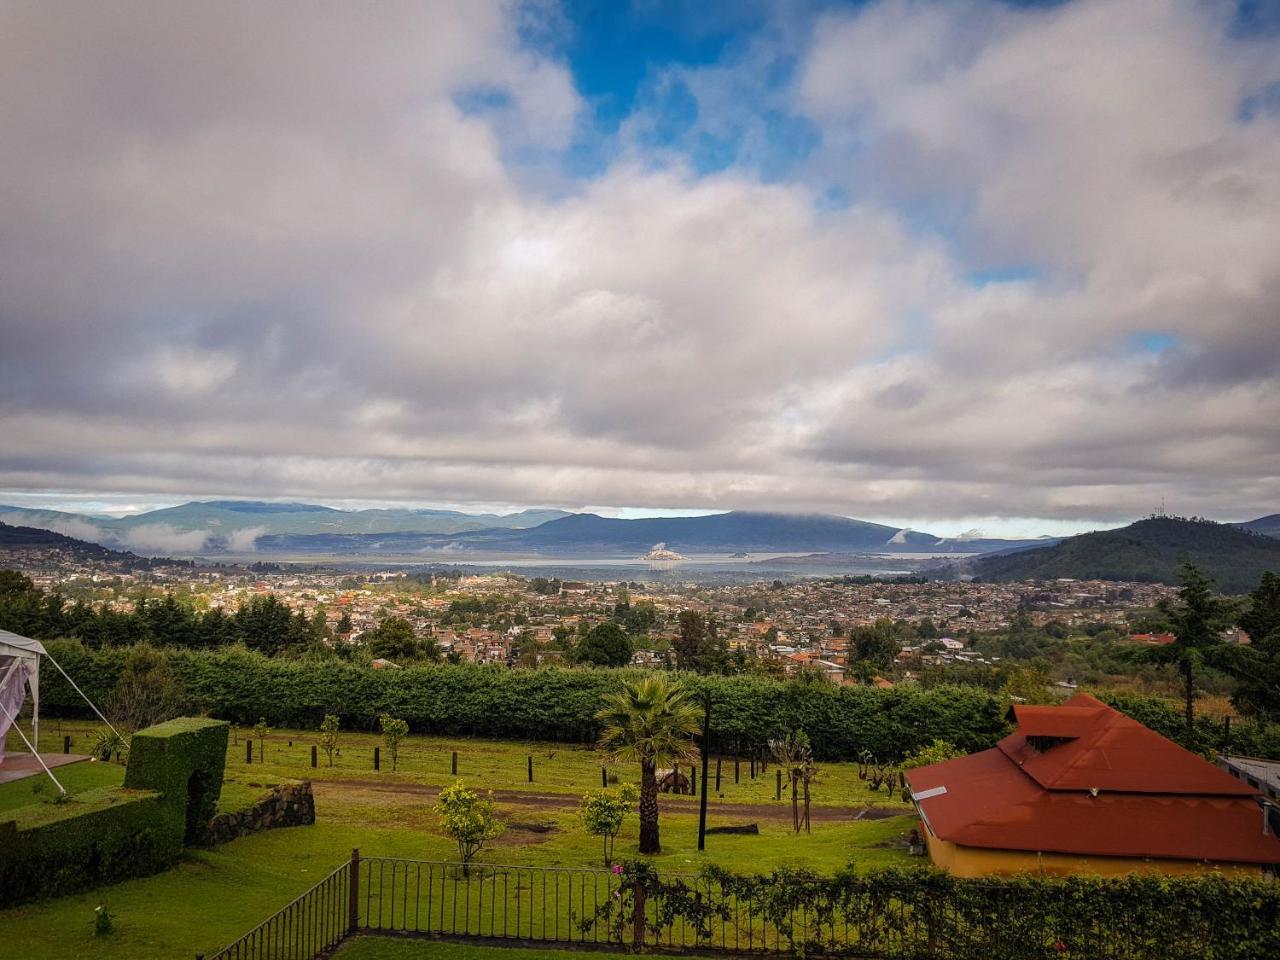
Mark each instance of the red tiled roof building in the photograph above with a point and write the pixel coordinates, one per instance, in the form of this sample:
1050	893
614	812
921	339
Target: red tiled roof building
1082	788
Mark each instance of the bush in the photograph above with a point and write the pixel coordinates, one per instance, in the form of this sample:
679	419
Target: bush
468	818
170	792
547	704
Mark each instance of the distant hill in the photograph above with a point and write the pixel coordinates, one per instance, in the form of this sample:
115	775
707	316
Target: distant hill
1268	526
1150	550
219	525
30	545
588	534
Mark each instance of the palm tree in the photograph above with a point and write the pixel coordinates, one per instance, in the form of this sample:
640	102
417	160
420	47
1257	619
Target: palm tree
651	721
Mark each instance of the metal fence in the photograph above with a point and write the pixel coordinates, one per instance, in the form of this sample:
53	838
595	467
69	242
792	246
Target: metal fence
883	917
309	927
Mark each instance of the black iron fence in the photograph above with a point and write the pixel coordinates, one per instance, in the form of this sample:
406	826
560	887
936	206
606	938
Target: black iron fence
891	915
309	927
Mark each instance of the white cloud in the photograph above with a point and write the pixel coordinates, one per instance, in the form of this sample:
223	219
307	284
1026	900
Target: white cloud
245	539
163	538
284	262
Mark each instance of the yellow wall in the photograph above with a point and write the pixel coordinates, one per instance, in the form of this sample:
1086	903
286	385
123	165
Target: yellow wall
981	862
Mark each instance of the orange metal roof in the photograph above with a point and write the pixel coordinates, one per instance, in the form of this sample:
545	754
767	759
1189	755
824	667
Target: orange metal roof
1153	798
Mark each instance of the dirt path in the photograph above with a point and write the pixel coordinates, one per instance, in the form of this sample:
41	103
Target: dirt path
567	801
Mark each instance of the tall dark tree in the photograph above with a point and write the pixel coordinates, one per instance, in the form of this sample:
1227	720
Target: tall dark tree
699	647
1258	666
264	623
1197	618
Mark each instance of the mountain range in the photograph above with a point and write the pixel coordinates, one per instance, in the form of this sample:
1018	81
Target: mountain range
1151	550
239	527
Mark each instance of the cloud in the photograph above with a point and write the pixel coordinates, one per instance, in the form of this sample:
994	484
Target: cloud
163	538
245	539
68	527
260	252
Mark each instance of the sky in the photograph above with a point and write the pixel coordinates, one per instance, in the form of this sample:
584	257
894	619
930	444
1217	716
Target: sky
949	265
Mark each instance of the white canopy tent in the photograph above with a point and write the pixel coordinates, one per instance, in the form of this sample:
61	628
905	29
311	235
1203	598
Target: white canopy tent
20	671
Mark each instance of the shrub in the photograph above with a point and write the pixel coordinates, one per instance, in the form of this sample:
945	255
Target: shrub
545	704
603	813
468	818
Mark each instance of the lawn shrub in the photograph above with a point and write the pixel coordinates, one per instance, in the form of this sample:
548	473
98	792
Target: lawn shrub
170	791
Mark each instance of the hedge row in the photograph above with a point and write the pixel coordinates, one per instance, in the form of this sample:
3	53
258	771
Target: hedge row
926	913
170	792
549	704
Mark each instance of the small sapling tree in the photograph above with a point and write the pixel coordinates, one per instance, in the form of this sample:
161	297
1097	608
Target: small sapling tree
260	732
469	819
329	736
603	813
393	731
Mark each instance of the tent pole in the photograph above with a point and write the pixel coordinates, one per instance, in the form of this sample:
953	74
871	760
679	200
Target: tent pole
34	752
82	693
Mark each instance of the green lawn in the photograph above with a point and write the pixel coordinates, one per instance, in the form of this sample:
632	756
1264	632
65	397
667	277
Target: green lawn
489	764
213	896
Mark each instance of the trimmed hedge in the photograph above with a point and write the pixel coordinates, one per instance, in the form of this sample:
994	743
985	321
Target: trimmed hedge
548	704
927	913
112	834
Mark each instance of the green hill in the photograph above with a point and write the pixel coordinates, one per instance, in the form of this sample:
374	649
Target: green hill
1150	550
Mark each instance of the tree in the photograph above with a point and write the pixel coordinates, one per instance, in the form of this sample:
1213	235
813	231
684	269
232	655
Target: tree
147	692
1257	667
605	645
603	813
876	645
1197	620
264	624
650	721
344	624
329	735
794	755
699	647
936	752
469	819
393	731
394	639
260	732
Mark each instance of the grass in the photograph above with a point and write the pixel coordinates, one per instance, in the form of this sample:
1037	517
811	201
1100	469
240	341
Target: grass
213	896
390	948
76	778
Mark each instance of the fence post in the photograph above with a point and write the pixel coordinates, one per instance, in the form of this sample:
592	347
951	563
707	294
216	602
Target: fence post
531	769
637	916
604	778
248	751
377	758
313	755
717	774
455	763
66	744
777	793
735	768
353	896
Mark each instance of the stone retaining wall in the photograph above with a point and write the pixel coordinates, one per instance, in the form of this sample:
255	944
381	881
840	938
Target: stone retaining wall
287	805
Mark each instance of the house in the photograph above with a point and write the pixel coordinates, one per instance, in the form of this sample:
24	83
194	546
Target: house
1153	639
1082	788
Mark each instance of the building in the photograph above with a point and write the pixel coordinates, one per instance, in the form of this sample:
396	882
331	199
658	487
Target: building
1082	788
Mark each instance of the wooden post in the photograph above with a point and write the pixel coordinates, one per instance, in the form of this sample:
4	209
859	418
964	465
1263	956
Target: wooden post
637	916
753	765
353	893
777	793
531	769
377	758
717	774
248	751
66	744
706	747
313	755
604	778
454	771
735	768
